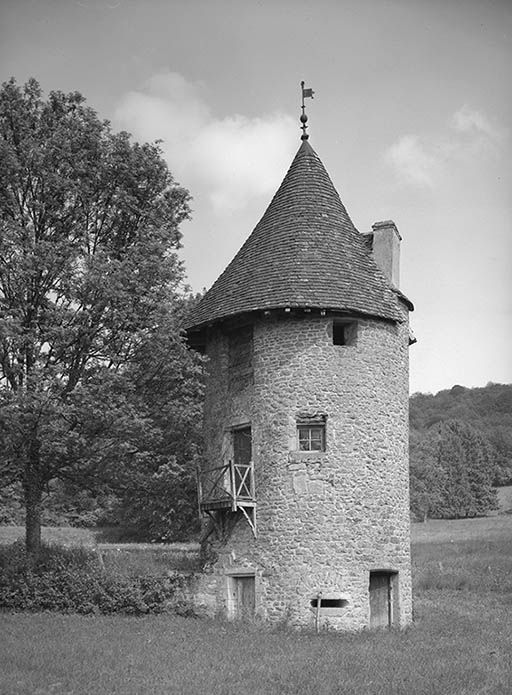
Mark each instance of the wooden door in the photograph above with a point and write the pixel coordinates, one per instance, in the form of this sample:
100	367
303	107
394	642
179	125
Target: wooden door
245	597
242	446
380	599
242	457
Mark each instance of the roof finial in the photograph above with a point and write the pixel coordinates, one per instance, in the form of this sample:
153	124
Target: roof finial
308	92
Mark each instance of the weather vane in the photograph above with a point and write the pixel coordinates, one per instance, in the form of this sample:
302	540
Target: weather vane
308	92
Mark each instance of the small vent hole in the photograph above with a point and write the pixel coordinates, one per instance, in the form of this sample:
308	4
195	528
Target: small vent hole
329	603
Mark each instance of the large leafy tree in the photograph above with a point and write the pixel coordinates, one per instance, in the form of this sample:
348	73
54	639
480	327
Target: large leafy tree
428	480
89	226
157	485
453	467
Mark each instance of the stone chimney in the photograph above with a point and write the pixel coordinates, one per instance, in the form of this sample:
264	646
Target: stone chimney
386	249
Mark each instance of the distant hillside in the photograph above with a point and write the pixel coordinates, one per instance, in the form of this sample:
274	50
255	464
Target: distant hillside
488	409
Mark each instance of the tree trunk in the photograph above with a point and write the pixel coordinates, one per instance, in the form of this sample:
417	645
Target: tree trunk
33	522
33	491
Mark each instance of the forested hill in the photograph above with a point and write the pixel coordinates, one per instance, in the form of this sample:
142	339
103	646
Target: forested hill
487	409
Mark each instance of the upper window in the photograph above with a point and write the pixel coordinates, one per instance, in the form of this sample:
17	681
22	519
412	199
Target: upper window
311	431
344	332
240	348
311	437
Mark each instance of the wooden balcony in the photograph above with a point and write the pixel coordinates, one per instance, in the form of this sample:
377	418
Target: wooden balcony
229	488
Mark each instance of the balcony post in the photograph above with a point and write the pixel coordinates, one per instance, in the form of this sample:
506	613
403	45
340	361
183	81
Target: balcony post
233	486
253	489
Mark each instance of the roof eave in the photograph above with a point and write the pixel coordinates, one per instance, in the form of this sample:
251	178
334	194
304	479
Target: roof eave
289	308
403	297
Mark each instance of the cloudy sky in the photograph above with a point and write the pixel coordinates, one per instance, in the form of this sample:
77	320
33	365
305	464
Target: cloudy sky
412	117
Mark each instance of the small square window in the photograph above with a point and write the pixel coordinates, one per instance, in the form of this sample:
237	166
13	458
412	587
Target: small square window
311	437
344	332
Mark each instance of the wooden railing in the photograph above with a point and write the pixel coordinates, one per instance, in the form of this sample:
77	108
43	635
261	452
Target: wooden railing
230	485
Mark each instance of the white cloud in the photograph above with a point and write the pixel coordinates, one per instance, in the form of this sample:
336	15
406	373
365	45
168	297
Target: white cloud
423	162
411	161
231	159
475	123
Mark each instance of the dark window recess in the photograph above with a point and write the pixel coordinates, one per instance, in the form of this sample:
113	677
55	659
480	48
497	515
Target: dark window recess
242	455
240	348
344	332
240	358
329	602
242	446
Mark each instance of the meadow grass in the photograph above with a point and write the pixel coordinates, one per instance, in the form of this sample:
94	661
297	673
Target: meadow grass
63	535
130	559
485	528
463	554
460	642
455	647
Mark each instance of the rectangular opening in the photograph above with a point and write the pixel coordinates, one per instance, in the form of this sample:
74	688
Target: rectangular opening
242	459
382	589
329	602
242	598
311	437
344	332
311	431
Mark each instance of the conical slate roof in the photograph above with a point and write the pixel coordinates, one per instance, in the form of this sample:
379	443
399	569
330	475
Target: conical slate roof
304	253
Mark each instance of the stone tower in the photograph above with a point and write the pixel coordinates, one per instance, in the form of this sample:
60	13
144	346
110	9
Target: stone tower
304	486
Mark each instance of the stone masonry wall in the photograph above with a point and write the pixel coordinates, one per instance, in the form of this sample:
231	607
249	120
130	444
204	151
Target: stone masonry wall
324	519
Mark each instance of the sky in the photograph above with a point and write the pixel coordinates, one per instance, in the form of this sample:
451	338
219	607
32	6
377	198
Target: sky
411	116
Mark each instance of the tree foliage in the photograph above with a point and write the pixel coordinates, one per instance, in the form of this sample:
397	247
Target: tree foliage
452	472
487	409
157	486
89	284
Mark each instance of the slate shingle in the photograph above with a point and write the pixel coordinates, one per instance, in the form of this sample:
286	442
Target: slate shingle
304	253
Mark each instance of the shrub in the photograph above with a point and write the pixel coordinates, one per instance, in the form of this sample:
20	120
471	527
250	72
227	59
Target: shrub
71	580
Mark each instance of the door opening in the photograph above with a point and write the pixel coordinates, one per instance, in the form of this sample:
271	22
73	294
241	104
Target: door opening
242	458
242	597
382	586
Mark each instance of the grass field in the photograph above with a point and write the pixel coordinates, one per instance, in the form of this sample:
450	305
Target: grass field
460	643
126	558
